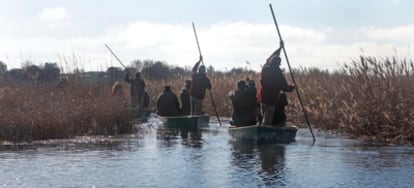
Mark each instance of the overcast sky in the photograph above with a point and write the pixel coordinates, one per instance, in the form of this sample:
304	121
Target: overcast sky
317	33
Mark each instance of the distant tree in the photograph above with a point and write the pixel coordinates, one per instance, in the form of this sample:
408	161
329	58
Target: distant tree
50	72
179	72
15	74
137	64
155	70
3	67
32	72
115	72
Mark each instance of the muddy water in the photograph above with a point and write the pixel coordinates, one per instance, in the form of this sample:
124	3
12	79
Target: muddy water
175	158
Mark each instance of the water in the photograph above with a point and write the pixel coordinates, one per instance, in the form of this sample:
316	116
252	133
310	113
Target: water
170	158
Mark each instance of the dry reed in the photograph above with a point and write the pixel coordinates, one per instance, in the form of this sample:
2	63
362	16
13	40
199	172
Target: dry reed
42	111
369	98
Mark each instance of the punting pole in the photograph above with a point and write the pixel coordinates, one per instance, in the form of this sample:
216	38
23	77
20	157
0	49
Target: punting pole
113	53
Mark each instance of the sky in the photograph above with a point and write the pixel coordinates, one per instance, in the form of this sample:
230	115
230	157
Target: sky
233	33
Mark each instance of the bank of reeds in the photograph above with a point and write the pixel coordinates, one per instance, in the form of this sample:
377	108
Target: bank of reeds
32	111
369	98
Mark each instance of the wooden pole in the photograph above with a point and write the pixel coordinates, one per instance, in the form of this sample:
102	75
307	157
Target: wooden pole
116	57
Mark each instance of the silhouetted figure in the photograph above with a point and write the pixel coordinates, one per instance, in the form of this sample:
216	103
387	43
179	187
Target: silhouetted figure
252	93
137	90
243	109
185	98
199	84
167	103
272	82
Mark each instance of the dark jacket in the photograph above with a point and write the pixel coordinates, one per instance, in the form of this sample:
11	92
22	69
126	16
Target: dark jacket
272	82
185	101
137	85
199	84
167	104
244	111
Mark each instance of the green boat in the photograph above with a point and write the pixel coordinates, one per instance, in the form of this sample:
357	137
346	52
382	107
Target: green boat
264	133
185	121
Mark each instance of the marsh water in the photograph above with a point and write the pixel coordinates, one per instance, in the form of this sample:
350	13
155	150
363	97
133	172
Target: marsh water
158	157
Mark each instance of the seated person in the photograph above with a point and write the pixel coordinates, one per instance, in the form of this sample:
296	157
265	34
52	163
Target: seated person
167	103
244	113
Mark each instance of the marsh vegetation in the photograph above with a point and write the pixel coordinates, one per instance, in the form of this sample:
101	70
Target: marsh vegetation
368	97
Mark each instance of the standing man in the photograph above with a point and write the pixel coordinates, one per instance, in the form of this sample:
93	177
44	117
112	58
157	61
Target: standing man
137	90
272	82
185	98
199	84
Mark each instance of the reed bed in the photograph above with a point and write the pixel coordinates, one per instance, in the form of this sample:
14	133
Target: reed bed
42	111
369	98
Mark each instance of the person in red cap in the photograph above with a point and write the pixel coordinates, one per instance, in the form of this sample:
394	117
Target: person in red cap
272	82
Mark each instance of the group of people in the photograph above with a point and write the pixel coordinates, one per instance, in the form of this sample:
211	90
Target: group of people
250	106
191	95
269	106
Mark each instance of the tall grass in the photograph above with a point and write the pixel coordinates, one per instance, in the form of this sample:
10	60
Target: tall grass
42	111
368	98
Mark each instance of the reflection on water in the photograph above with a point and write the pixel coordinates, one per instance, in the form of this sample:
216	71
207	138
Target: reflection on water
189	137
271	159
160	157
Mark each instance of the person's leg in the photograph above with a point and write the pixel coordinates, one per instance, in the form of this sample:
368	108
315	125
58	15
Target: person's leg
193	106
198	106
134	101
268	111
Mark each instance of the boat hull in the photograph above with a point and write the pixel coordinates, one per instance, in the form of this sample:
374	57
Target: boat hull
264	133
185	121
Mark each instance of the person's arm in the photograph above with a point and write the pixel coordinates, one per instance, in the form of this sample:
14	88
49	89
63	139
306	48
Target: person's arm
195	67
286	87
276	53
